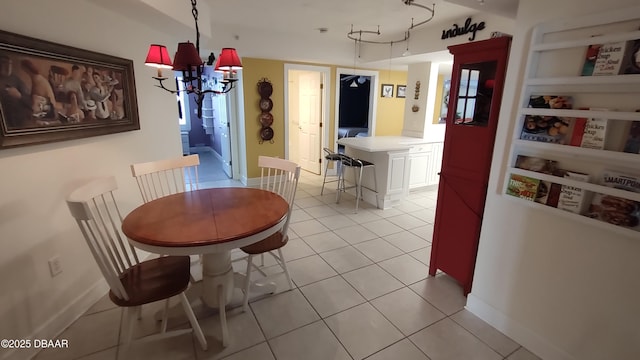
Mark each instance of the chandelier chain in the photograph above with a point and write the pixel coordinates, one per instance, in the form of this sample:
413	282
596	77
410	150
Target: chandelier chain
194	12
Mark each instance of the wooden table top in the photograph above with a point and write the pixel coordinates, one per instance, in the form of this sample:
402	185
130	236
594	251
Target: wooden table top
204	217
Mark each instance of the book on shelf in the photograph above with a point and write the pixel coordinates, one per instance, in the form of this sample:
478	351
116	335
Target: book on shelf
543	194
536	164
549	129
632	143
550	102
590	59
595	133
622	57
579	125
617	210
590	133
554	195
572	198
523	187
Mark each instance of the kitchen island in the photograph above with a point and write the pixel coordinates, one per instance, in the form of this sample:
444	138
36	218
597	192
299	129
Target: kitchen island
402	163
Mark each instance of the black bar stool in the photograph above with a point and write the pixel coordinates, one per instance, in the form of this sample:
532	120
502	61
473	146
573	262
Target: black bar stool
330	156
358	167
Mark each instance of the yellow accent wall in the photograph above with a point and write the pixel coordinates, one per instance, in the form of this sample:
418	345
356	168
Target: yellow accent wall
438	105
253	70
390	112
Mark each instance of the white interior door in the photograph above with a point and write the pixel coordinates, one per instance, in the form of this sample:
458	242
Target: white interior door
220	102
310	120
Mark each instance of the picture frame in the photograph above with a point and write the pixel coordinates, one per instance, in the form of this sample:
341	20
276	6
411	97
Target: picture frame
52	92
386	91
401	91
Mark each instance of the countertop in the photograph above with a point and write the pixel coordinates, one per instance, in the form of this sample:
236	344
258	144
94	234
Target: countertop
384	143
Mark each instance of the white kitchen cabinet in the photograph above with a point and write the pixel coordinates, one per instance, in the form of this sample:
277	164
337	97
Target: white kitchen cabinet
424	163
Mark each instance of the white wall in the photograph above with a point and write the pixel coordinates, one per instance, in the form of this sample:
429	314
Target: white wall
420	123
563	289
35	223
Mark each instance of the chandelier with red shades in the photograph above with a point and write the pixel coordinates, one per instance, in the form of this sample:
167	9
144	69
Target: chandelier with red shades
187	60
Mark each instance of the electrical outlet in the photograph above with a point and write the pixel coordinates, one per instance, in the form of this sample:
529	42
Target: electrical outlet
55	267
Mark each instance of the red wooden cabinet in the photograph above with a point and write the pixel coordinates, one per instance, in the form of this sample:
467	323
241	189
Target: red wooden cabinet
477	81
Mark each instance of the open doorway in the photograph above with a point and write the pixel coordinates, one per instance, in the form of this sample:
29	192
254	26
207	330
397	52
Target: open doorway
353	109
306	109
208	135
356	102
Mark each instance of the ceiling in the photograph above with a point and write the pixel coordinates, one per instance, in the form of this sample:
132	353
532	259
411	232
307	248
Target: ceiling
337	16
300	21
290	29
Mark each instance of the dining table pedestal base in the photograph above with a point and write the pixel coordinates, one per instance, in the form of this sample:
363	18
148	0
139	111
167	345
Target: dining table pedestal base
217	275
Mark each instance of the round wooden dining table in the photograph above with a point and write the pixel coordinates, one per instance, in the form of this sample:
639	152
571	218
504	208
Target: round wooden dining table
210	222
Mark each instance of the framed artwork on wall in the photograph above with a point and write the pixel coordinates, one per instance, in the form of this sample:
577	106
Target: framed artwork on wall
401	91
387	91
52	92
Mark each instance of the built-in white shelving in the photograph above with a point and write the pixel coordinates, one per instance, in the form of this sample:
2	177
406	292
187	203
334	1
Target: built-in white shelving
555	61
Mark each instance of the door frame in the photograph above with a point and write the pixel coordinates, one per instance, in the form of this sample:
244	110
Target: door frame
235	115
326	81
373	98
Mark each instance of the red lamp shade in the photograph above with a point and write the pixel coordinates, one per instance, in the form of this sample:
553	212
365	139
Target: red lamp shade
216	67
186	57
158	56
228	60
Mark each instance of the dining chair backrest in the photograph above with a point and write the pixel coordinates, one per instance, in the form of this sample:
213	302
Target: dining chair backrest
95	209
281	177
166	177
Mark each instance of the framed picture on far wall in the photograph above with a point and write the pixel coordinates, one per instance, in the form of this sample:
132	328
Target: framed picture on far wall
387	90
401	90
52	92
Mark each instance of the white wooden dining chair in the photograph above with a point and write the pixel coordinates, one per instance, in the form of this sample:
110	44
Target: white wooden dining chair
132	282
281	177
165	177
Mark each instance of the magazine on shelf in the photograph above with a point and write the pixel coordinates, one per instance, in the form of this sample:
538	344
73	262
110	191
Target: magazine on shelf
550	102
543	192
616	210
631	62
590	59
610	58
536	164
549	129
554	195
632	143
622	57
572	198
579	125
595	133
523	187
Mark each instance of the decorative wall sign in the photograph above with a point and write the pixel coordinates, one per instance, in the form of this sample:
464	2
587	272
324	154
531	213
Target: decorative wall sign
51	92
459	31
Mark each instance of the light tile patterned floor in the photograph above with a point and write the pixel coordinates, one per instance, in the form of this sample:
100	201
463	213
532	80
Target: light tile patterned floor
361	292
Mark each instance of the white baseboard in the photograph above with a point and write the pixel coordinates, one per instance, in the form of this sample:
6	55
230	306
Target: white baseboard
538	345
60	321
